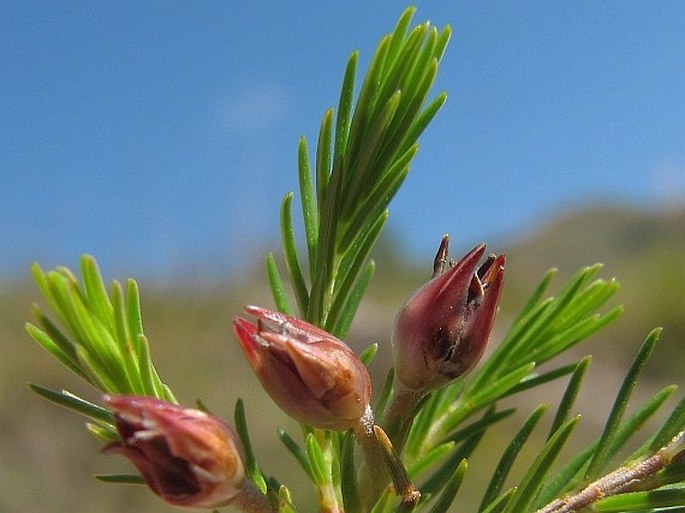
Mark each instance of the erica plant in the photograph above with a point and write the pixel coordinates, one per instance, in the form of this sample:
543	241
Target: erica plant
395	446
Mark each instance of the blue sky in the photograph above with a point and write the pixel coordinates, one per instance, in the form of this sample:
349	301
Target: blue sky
161	136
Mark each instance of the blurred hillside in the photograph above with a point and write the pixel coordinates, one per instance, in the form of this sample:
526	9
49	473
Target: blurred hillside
643	249
47	458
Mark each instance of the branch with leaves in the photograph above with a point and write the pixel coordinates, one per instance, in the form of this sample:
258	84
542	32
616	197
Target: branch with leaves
401	445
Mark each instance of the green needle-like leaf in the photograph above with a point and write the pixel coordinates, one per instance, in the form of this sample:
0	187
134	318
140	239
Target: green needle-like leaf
377	200
368	354
573	334
535	380
641	501
473	400
601	456
308	196
535	299
75	403
364	107
395	75
348	478
104	341
128	350
345	103
500	502
398	36
481	425
565	478
672	474
629	427
386	391
423	120
48	342
349	274
385	503
422	422
439	479
120	328
290	253
673	425
570	394
553	314
509	457
134	479
317	461
450	489
363	155
297	451
572	475
99	376
133	313
403	486
500	387
429	458
531	482
358	171
277	287
153	385
251	466
355	297
364	160
95	290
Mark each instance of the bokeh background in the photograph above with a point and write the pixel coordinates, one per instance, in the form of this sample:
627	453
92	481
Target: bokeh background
160	137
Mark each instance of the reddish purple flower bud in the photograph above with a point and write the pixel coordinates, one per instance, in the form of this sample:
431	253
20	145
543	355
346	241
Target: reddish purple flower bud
311	375
188	457
441	332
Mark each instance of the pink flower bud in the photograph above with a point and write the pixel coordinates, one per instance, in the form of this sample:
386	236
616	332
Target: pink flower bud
311	375
188	457
441	332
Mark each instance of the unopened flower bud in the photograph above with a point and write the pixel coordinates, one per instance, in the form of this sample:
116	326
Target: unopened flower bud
441	332
186	456
310	374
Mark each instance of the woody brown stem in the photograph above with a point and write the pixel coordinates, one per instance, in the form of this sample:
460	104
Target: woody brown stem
625	479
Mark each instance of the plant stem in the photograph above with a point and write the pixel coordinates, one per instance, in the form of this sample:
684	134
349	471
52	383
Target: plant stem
625	479
399	415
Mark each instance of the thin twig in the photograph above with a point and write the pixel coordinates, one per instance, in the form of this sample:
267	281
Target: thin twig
625	479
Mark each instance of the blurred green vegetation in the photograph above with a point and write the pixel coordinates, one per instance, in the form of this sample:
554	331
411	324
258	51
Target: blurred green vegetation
47	458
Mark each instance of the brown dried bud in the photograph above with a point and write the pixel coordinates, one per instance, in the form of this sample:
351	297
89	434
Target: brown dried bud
188	457
442	331
310	374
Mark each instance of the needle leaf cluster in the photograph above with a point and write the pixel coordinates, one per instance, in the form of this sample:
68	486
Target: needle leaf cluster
363	154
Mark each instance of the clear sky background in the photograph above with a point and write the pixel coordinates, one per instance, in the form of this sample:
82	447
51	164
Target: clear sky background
161	136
